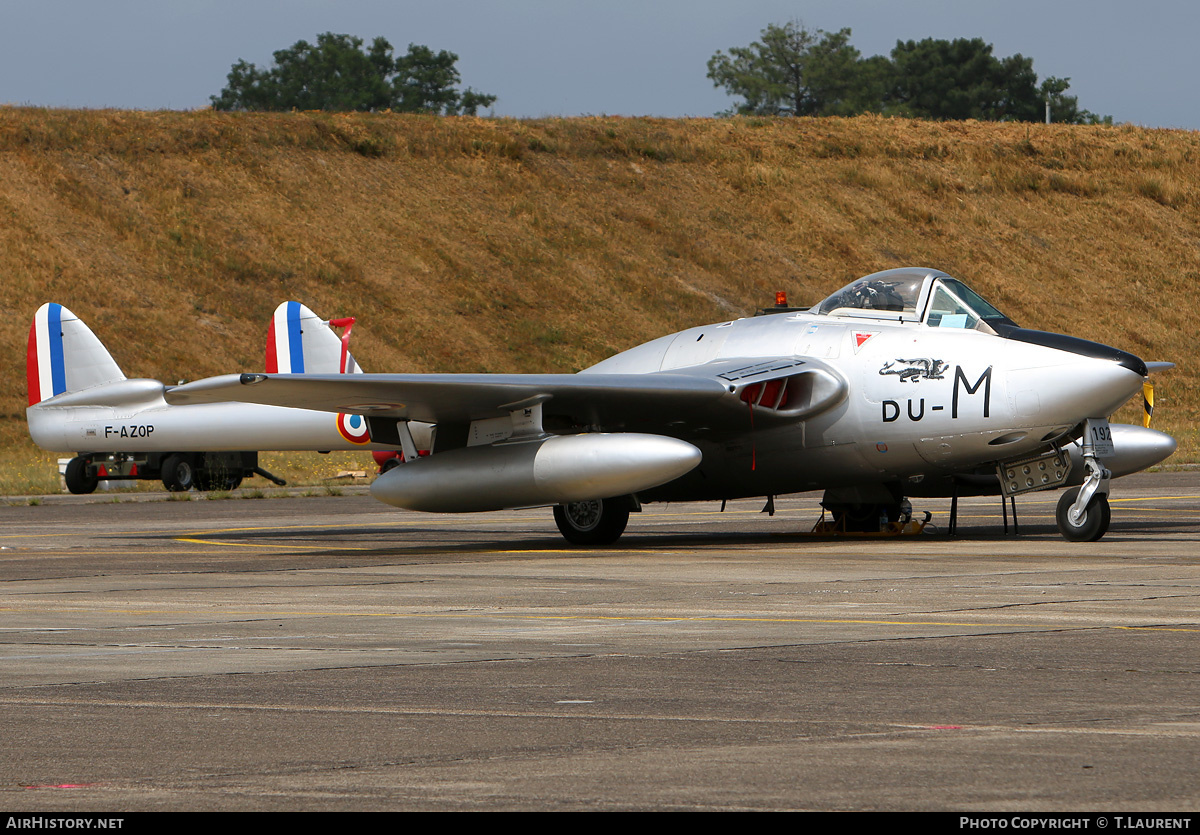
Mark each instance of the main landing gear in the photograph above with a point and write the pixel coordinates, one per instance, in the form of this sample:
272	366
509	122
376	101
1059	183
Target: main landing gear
595	521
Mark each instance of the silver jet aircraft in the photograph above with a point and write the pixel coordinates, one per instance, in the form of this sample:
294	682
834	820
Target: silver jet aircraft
904	383
79	400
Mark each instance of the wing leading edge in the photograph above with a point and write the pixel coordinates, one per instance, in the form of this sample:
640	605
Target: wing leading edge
714	394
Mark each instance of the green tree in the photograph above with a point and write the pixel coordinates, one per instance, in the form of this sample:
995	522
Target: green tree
1064	108
338	74
962	79
793	72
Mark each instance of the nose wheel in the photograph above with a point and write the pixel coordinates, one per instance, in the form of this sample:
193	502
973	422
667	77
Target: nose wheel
1083	513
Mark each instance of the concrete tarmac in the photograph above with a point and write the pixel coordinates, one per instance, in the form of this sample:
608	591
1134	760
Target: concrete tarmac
331	653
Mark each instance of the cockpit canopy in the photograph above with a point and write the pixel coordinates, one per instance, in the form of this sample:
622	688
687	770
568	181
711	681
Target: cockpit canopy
913	294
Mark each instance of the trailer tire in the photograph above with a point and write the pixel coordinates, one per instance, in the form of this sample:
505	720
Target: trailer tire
178	474
79	477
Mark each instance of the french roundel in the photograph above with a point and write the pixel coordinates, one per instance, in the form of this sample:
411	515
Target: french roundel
353	428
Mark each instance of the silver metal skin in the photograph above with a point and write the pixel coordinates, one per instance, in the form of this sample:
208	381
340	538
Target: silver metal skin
149	424
1136	448
904	381
101	410
552	470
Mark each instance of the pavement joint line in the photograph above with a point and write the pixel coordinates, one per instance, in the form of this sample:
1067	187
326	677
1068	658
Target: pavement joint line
614	618
590	713
289	546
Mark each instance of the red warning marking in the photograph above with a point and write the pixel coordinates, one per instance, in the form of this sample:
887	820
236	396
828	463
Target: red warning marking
861	337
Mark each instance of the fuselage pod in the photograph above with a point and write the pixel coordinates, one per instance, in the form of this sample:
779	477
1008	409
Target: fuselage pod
561	468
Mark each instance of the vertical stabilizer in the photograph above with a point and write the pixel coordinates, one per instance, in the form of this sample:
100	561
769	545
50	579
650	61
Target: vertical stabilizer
300	342
64	355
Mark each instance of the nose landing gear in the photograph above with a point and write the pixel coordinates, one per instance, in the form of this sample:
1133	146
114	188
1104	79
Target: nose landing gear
1083	513
1088	525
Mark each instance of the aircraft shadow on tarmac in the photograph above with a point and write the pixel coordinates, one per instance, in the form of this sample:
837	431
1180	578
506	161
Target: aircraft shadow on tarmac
372	542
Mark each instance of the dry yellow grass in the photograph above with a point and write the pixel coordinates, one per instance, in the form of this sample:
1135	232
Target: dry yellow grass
466	244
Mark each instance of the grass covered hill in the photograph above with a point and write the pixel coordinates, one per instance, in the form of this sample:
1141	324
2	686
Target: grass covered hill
466	244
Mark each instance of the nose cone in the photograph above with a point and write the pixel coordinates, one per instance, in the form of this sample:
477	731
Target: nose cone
1112	385
1074	345
1072	389
1072	378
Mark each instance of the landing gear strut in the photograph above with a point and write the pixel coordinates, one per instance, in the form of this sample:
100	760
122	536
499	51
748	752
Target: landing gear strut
1083	513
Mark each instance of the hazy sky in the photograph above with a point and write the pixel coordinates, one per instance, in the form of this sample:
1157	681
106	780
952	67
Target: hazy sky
1136	61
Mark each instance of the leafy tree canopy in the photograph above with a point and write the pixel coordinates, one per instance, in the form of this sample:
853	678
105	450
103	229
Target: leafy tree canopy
338	74
792	71
962	79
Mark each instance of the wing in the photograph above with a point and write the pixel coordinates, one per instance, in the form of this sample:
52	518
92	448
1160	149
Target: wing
714	395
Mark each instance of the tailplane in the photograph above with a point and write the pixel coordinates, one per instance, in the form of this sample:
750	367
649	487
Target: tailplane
300	342
64	355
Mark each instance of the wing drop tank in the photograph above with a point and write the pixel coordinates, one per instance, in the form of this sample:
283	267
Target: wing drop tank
561	468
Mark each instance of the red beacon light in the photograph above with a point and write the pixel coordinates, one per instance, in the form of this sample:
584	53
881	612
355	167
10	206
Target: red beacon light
781	298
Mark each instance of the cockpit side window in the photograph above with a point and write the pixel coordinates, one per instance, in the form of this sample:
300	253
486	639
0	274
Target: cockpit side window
975	302
947	311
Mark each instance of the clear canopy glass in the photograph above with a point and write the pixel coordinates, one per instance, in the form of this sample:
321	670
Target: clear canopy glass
909	295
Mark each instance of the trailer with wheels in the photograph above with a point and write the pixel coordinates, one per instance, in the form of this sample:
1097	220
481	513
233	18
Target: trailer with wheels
178	471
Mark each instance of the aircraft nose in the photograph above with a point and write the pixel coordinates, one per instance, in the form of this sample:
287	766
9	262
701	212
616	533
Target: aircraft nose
1074	389
1094	382
1108	385
1075	345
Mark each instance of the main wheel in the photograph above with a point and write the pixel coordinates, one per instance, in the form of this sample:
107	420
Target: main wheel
79	476
1094	523
868	518
592	522
178	475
